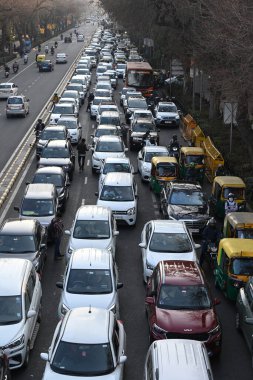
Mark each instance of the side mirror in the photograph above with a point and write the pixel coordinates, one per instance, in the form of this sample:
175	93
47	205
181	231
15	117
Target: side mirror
126	149
149	300
27	183
96	193
119	285
197	246
43	246
44	356
59	285
142	245
31	314
67	232
122	359
16	208
115	233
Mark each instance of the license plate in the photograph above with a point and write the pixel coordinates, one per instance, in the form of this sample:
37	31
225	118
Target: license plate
167	122
194	230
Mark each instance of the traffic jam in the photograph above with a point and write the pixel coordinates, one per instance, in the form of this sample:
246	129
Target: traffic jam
194	247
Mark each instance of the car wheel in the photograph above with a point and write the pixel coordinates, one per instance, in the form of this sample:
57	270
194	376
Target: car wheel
27	355
237	322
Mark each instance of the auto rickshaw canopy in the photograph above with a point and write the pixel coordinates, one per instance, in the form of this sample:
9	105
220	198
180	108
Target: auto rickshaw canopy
229	181
163	160
240	219
192	150
236	247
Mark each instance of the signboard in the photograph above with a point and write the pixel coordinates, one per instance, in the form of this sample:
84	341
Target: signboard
229	112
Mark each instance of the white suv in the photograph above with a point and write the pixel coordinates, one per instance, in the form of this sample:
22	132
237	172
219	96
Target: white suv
106	146
20	307
91	279
119	192
94	226
8	89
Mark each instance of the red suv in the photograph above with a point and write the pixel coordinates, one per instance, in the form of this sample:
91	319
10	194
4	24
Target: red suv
179	305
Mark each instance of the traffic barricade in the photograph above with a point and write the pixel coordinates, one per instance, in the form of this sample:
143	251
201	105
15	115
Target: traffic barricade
213	158
189	124
198	136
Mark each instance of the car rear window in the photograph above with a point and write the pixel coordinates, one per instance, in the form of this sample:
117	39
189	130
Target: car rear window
15	101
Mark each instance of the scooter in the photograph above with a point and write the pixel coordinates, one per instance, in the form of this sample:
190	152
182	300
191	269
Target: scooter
15	69
174	151
6	73
52	50
25	60
212	251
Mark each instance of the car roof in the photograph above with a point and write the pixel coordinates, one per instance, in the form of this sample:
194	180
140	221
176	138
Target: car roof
185	185
180	272
116	160
169	226
109	113
10	84
109	138
12	272
55	127
107	126
57	143
67	117
18	226
50	170
157	148
90	258
80	323
93	212
166	104
118	179
40	190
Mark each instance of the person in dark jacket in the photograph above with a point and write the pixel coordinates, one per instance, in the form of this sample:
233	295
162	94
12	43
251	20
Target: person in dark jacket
56	230
90	99
81	149
211	233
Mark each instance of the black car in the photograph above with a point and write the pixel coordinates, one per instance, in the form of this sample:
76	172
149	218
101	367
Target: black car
67	39
24	238
185	201
138	130
46	65
58	153
58	177
4	367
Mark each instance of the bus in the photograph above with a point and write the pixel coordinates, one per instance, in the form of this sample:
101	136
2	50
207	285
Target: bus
140	76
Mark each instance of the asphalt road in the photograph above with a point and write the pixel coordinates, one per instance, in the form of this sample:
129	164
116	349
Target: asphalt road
234	362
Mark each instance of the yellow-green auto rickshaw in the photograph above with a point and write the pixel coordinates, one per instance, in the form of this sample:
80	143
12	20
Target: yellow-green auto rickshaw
192	163
234	265
222	186
238	225
163	169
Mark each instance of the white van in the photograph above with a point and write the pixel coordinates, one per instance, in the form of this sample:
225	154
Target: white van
177	359
20	307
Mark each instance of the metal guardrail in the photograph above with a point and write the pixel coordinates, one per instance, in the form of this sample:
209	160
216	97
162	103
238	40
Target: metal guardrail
15	164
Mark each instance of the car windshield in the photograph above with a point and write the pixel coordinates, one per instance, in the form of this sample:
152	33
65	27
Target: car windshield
121	67
109	120
117	193
187	198
89	281
70	124
143	127
70	94
76	80
178	297
91	229
55	152
101	69
63	109
17	244
167	108
53	135
75	359
102	93
5	87
83	71
10	310
55	179
97	101
170	242
103	87
109	146
242	266
137	103
116	167
77	87
150	155
15	101
37	207
106	132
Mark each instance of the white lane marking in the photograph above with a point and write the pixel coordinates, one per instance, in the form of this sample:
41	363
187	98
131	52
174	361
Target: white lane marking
85	180
93	126
153	198
88	162
83	202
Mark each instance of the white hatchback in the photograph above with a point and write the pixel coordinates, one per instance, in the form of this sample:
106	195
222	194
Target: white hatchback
106	146
93	227
8	89
119	192
88	343
144	158
114	164
91	279
165	240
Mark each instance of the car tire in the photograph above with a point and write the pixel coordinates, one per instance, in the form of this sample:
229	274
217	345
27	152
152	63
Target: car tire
27	355
237	322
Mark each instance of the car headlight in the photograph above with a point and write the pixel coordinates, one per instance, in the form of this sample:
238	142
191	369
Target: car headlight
64	309
131	211
16	343
215	331
158	330
65	167
149	265
113	308
70	250
177	117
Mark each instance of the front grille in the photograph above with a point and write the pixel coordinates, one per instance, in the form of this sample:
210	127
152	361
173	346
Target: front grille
195	224
119	212
202	337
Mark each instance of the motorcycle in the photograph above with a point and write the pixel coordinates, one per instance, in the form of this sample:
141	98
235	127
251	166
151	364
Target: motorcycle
15	69
174	151
56	44
46	50
52	50
212	251
6	73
